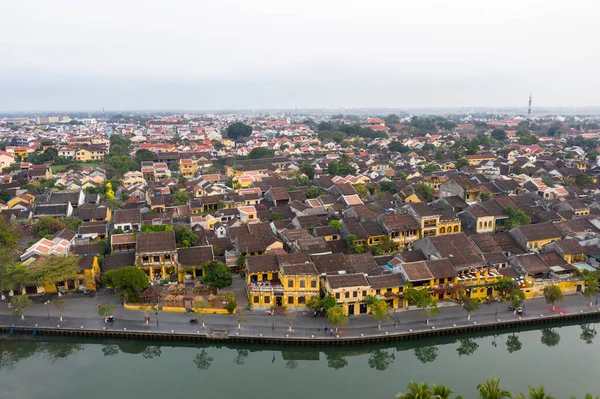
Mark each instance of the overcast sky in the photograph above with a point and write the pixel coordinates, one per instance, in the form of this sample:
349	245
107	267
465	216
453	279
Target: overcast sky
215	54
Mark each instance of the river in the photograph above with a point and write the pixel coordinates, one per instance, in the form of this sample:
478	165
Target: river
563	359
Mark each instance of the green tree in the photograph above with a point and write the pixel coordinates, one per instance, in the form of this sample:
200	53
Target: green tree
539	393
128	281
516	297
60	305
416	391
314	303
328	302
550	337
55	269
423	301
425	191
308	170
515	218
379	309
336	224
388	186
261	152
46	227
591	287
237	130
470	305
499	134
313	192
20	303
240	317
106	310
336	315
274	217
216	274
430	167
491	390
180	197
583	180
144	156
553	293
441	391
184	237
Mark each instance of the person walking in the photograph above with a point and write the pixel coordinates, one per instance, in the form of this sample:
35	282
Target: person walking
331	332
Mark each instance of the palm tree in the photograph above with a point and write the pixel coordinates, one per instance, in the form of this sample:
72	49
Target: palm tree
441	392
539	393
416	391
491	390
587	396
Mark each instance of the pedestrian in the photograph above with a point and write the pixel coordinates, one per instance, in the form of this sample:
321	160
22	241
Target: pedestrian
99	306
331	332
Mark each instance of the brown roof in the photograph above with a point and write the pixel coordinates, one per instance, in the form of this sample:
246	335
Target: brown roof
441	268
347	280
307	268
569	246
163	241
262	264
118	260
127	216
417	271
361	263
386	281
293	259
195	256
533	264
540	231
399	222
122	238
331	263
458	249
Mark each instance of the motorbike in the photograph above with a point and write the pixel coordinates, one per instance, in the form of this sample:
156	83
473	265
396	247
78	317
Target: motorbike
193	321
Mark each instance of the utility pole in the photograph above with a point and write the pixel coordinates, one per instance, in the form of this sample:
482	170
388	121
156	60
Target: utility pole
529	109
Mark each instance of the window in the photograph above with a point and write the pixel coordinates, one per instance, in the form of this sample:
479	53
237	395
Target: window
267	299
256	299
364	293
302	284
378	292
301	300
337	295
290	283
265	277
290	300
354	294
313	284
346	295
145	259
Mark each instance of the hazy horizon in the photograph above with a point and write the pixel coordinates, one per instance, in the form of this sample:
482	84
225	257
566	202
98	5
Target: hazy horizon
267	54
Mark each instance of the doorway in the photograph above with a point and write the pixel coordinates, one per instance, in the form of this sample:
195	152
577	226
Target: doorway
351	309
278	301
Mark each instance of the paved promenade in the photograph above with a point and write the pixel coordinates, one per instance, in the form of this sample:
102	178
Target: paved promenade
82	312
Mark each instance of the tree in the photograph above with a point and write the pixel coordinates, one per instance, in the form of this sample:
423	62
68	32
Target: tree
240	317
430	167
313	192
460	163
491	390
588	334
46	227
216	274
550	337
534	393
199	307
128	281
396	146
583	180
388	186
314	303
591	287
274	217
8	246
423	301
20	303
515	218
308	170
237	130
55	269
379	309
60	305
516	297
108	191
441	391
336	224
261	152
425	191
184	237
290	318
144	156
416	391
499	134
470	305
180	197
336	315
106	310
362	191
553	293
328	302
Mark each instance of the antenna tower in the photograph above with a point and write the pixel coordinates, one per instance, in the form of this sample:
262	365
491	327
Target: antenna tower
529	109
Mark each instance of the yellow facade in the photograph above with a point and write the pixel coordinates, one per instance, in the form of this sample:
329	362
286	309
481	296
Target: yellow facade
299	289
539	244
449	227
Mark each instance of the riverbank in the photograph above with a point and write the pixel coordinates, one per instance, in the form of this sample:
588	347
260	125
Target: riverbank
80	319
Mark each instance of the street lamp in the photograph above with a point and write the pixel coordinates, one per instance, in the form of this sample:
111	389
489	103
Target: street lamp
47	308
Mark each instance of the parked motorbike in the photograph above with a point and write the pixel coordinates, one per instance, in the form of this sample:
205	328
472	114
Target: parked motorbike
194	321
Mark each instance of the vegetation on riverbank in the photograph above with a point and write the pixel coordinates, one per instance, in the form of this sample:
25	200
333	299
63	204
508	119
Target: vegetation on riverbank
489	390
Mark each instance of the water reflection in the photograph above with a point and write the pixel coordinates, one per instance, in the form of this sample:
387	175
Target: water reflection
426	354
203	360
381	359
588	333
242	355
14	351
336	361
550	337
467	347
513	343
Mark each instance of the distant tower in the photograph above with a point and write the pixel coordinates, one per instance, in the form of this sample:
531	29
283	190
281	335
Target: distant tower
529	109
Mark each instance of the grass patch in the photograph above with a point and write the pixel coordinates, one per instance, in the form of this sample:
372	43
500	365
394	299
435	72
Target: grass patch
60	168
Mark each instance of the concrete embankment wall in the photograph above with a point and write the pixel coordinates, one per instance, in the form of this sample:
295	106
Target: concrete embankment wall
323	341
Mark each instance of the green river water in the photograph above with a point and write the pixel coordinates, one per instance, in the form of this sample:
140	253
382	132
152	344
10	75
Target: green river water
563	359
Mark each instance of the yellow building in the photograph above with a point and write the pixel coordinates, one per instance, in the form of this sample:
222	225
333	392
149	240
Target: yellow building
536	236
187	167
349	290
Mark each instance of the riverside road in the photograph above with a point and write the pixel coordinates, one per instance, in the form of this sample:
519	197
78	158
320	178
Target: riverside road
82	312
